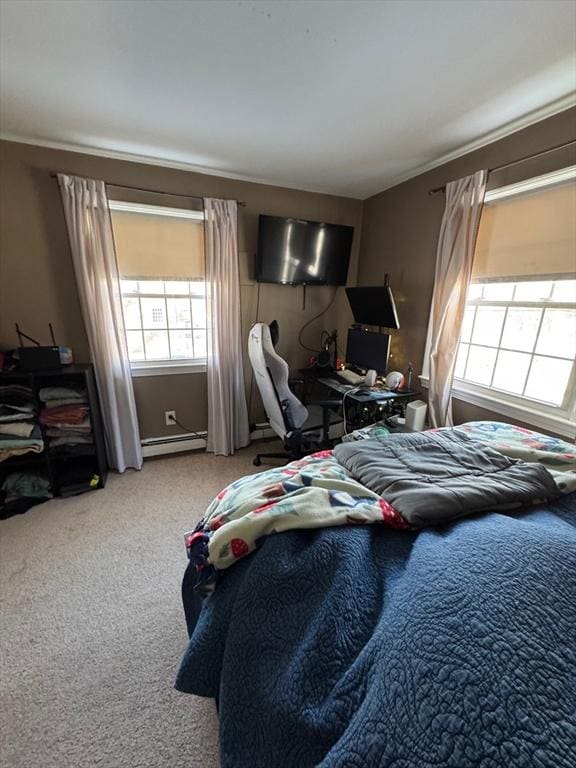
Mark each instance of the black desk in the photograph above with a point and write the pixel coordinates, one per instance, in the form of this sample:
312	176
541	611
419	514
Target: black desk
366	405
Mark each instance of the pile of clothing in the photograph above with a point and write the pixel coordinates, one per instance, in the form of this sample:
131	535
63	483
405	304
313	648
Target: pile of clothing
19	434
22	490
65	416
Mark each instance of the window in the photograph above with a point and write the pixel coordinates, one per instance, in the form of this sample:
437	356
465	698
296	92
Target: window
165	320
518	341
161	264
519	337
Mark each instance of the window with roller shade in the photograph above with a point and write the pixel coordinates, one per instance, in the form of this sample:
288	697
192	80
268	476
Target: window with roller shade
160	254
518	341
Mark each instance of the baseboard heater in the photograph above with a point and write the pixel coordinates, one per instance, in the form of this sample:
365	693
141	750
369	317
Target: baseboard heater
192	441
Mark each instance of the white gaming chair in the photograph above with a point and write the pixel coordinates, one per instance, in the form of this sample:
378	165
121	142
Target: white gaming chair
303	429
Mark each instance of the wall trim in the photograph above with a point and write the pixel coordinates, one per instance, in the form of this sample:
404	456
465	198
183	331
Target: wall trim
192	441
162	162
159	446
536	116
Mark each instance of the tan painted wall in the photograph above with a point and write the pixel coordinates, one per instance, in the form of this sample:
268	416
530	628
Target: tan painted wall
37	281
401	226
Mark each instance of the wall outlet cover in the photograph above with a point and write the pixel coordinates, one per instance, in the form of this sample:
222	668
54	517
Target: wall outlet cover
170	418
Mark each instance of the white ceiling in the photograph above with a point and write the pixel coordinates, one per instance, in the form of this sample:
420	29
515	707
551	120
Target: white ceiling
342	96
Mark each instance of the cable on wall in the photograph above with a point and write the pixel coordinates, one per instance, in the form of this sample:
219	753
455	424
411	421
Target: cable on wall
332	300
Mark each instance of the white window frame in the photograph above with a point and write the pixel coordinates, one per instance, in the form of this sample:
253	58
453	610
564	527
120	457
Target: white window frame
141	368
557	419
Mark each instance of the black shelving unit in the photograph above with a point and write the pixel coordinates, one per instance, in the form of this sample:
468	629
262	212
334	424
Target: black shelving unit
54	461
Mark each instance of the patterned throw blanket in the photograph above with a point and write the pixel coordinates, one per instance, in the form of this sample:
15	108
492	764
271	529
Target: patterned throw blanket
317	492
314	492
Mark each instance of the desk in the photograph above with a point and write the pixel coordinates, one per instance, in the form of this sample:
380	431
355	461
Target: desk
365	406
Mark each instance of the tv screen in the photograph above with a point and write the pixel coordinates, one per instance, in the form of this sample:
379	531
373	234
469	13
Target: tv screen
297	252
373	305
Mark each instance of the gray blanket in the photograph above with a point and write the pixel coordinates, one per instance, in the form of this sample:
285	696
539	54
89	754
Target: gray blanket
434	477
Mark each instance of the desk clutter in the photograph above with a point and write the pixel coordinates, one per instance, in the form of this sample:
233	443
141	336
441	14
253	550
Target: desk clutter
51	437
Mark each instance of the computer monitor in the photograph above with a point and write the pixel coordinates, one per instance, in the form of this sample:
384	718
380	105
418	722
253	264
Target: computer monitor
373	305
366	349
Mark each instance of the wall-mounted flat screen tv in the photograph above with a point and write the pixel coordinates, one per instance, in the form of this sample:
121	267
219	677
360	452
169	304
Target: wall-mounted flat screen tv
297	252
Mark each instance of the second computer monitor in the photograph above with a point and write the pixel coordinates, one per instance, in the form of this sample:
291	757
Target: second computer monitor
366	349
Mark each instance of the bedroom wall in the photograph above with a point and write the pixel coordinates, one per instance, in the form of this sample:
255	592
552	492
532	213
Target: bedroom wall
401	226
37	281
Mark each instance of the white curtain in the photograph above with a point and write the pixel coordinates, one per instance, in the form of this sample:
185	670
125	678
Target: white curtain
94	256
454	259
227	411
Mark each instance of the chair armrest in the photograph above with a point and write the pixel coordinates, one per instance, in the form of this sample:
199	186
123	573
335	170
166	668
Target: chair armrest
329	403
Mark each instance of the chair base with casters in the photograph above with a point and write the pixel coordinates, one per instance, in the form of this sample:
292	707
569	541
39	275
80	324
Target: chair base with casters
314	435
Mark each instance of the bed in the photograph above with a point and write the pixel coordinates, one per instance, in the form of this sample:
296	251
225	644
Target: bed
361	642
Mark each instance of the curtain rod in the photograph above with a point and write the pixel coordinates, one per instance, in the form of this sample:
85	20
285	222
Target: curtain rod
438	190
153	191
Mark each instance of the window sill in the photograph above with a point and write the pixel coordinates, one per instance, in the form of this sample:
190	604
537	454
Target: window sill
167	368
558	423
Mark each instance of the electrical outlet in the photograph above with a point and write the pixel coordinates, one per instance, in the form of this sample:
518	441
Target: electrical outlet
170	417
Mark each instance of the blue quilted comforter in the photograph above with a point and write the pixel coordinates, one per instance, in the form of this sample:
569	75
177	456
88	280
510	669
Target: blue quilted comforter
362	647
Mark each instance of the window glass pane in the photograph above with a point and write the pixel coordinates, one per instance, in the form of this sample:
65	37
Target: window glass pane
151	286
461	361
129	286
198	287
564	290
176	286
533	290
520	328
181	344
131	312
511	370
178	313
548	379
467	323
475	291
558	333
199	313
156	345
153	313
488	325
199	343
135	345
498	291
480	364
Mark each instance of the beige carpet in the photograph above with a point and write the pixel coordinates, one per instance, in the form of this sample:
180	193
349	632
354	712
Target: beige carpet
92	626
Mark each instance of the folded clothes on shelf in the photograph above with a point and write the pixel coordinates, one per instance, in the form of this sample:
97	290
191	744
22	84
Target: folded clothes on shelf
84	427
64	401
12	445
16	428
71	439
26	484
64	415
22	490
16	395
70	394
16	404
